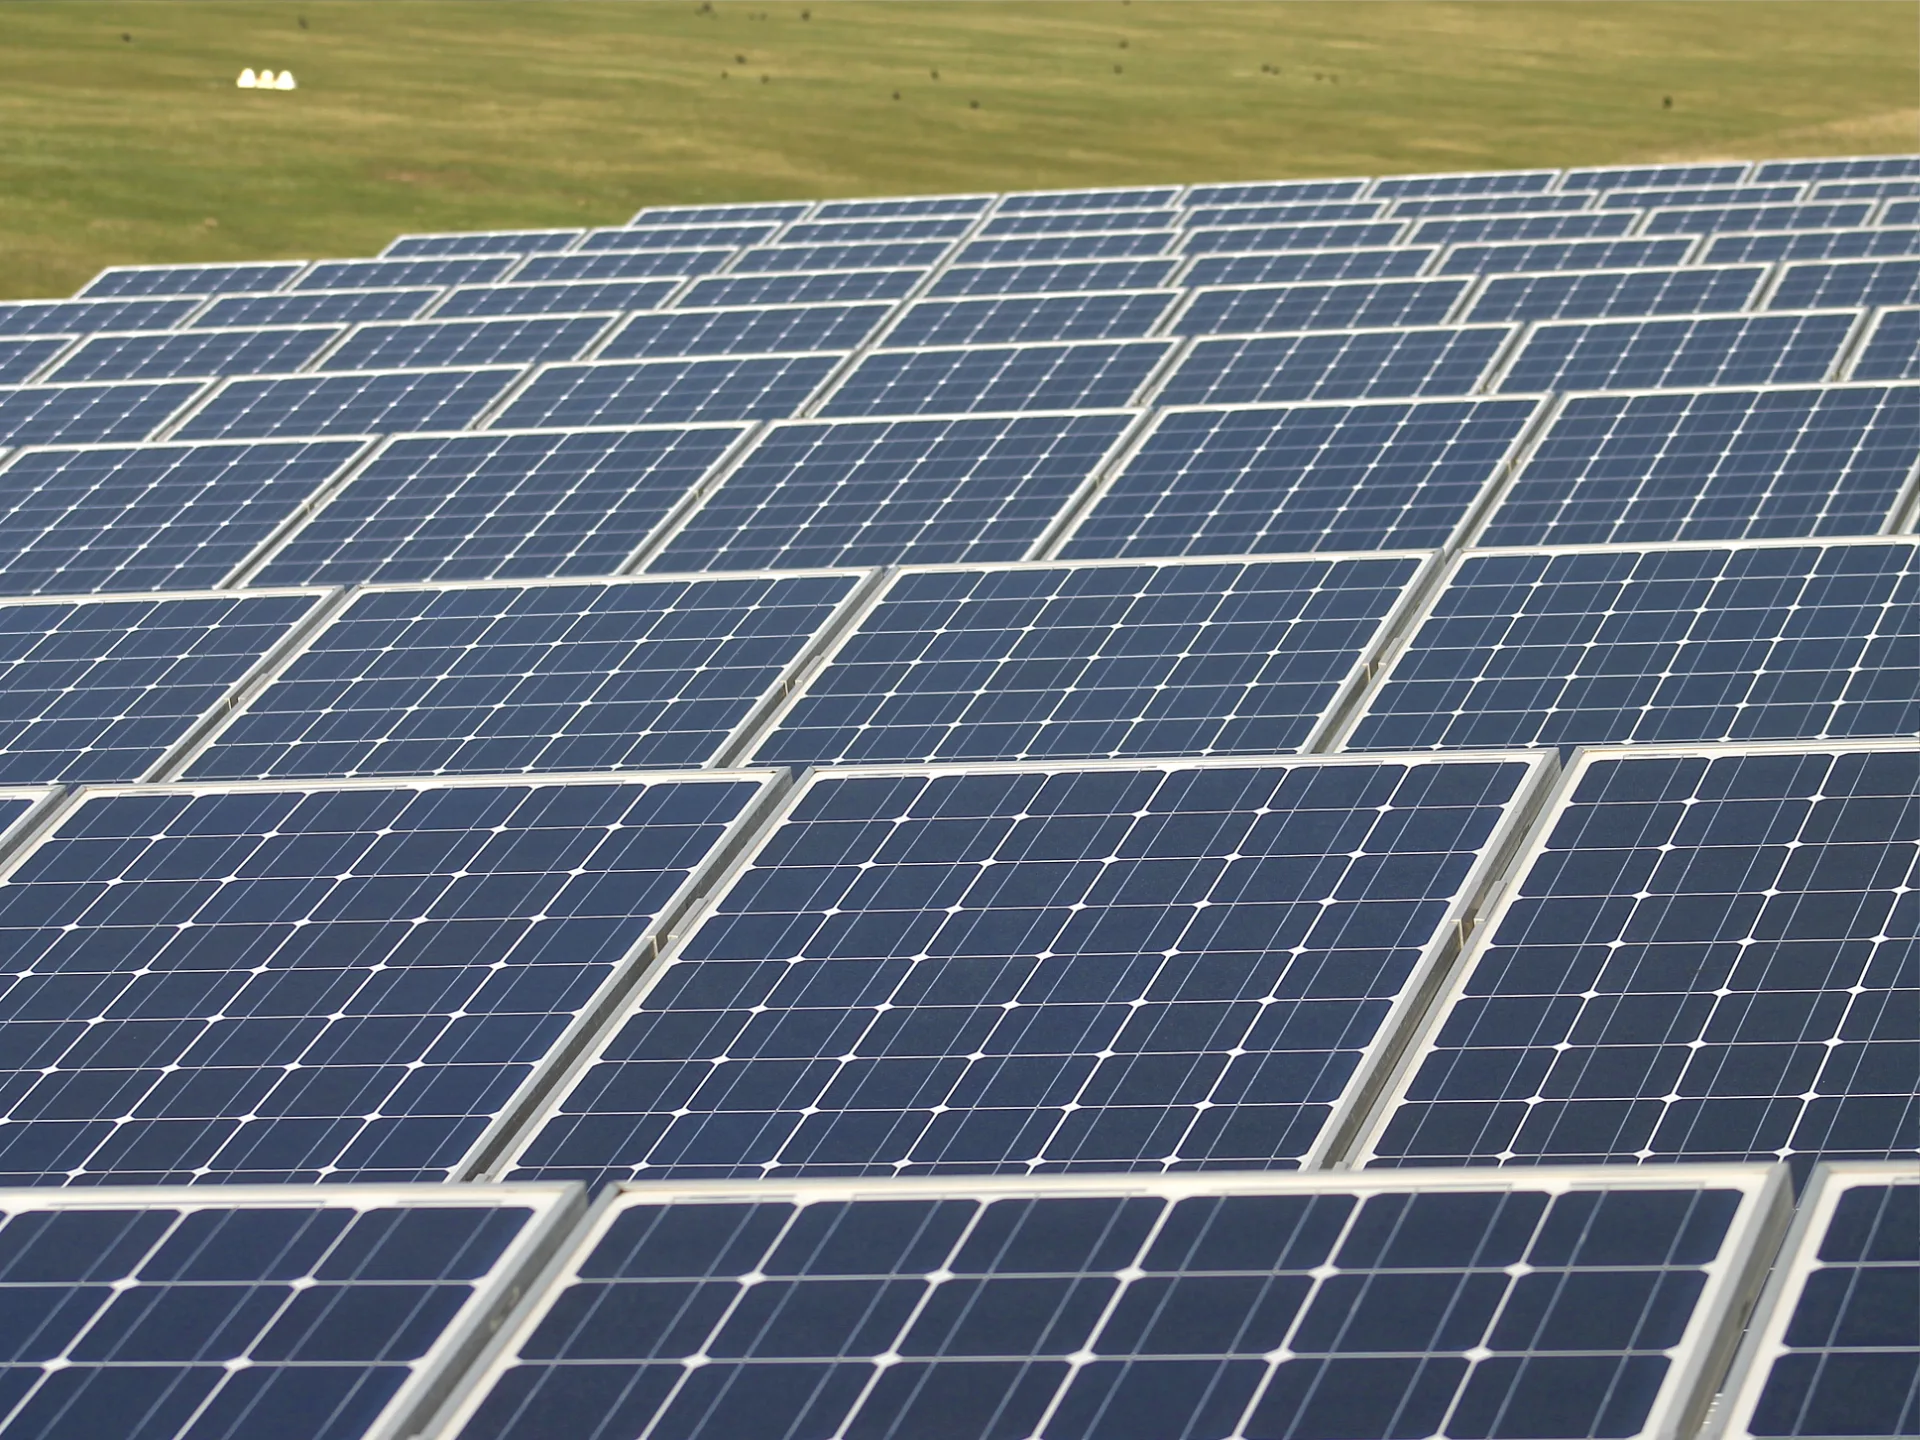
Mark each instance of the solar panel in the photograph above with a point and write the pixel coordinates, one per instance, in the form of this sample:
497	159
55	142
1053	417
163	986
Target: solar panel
21	360
1081	375
1597	294
1891	350
756	331
482	242
151	517
1282	213
1378	263
558	298
766	211
1713	465
1616	177
910	205
439	343
894	492
331	307
1096	246
691	235
1859	167
1252	239
386	274
1088	200
304	1313
1691	352
622	265
86	413
1100	315
1865	189
366	402
434	680
101	690
1274	1306
819	289
1342	305
1489	228
1832	1348
1496	182
1066	967
189	279
198	353
1276	192
879	255
856	230
1078	222
1093	661
1727	643
1857	282
1698	961
642	392
1279	479
1811	244
503	505
1426	206
326	981
1668	196
1335	365
1706	219
1562	255
81	317
1066	275
1900	212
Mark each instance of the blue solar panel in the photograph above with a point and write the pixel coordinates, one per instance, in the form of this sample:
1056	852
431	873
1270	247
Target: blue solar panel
1706	219
435	343
1495	182
1428	206
1194	1307
1092	661
20	360
630	674
1064	275
1860	167
1700	960
1833	1348
1666	197
482	242
499	506
786	259
1342	305
1275	192
308	1314
189	279
1865	189
85	414
1064	200
764	212
1282	213
1297	478
558	298
333	307
1892	348
1719	465
1562	255
1377	263
643	392
910	205
894	492
1078	222
1491	228
350	403
103	690
1662	354
1103	315
818	289
666	235
1097	246
1811	245
1856	282
1595	294
151	517
1593	647
338	982
1614	177
385	274
1252	239
1901	212
759	331
1043	968
858	230
200	353
622	265
1083	375
81	317
1335	365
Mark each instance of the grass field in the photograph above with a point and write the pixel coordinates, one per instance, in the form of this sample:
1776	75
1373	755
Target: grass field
123	139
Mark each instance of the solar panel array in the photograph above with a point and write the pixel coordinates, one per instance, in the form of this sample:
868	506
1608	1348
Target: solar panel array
1228	812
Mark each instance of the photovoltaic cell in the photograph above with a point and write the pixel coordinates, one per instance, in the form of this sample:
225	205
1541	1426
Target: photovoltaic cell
197	353
554	678
1835	1347
20	360
324	982
1251	239
330	307
1858	282
1275	192
1041	969
1059	276
843	285
757	331
1812	244
1340	306
485	242
383	274
309	1314
1865	189
1668	196
1654	354
433	343
894	492
622	265
188	279
1425	207
1372	264
1067	200
1702	960
1282	212
151	517
1858	167
869	228
1718	465
1892	348
1078	222
95	691
644	392
1594	294
1562	255
765	212
1098	246
1706	219
1495	182
346	403
1721	644
1085	375
499	506
1190	1306
1901	212
557	298
669	235
1091	662
1334	365
783	259
87	413
1490	228
909	205
82	317
1298	478
1616	177
1005	320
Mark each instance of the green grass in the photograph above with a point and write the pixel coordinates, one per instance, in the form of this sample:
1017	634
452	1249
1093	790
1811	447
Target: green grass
123	139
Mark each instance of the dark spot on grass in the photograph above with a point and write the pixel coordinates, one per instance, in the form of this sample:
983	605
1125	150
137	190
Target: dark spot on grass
1666	102
934	73
896	94
126	38
973	104
739	59
1116	69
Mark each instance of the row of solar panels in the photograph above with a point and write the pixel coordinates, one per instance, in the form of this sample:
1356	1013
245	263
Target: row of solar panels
1567	1302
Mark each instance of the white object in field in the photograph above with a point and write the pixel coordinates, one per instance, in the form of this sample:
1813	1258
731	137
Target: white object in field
247	80
285	82
266	79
